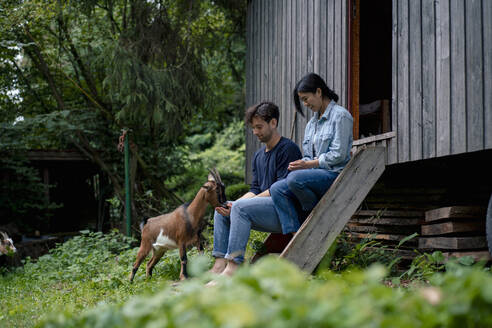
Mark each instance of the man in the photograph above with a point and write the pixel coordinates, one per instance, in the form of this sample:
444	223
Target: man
254	210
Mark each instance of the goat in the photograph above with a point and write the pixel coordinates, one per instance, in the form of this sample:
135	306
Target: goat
6	244
179	228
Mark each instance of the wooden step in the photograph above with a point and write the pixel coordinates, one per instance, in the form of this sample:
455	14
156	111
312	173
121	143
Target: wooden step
453	227
341	201
453	243
453	212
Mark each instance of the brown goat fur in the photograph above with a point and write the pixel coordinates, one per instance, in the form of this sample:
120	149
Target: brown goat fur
180	228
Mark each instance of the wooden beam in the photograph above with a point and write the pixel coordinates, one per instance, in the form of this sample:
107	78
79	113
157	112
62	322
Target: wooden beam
452	243
387	237
336	207
462	212
453	227
389	213
387	221
400	229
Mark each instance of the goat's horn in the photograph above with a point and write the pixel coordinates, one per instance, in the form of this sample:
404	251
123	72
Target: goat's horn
218	175
211	171
4	235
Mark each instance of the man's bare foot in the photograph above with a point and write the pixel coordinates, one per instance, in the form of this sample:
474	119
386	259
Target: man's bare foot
230	269
219	265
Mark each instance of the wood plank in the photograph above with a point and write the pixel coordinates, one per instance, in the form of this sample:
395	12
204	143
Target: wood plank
453	227
474	76
323	29
385	213
287	110
458	100
343	53
428	79
316	35
477	255
311	21
334	210
452	243
403	131
385	237
461	212
377	137
387	221
487	72
330	39
338	44
354	67
443	79
382	229
393	143
415	75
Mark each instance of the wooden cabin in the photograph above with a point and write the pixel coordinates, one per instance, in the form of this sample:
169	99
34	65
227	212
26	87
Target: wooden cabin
417	78
77	186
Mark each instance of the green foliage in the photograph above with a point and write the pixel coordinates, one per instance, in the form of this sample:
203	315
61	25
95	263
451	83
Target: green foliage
344	254
424	266
235	191
86	270
273	293
223	150
78	72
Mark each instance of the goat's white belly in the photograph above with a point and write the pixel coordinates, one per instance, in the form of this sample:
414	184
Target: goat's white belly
164	242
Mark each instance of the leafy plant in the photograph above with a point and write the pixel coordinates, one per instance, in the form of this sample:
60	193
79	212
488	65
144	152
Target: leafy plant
274	293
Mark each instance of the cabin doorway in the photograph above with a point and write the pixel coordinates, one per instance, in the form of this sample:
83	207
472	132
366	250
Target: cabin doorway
370	70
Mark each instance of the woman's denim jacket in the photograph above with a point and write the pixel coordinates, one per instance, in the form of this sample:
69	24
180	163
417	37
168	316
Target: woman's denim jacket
329	139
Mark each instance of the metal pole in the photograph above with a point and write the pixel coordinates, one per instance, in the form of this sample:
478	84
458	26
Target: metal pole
127	188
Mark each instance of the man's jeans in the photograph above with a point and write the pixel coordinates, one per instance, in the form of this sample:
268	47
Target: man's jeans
301	188
231	233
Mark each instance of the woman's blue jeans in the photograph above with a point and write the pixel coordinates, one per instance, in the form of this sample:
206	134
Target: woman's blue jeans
231	233
300	192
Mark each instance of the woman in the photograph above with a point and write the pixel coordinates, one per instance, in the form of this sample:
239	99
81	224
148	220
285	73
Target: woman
326	150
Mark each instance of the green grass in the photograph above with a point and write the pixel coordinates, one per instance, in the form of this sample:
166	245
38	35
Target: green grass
83	272
84	283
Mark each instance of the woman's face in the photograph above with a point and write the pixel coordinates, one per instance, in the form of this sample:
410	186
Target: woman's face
313	101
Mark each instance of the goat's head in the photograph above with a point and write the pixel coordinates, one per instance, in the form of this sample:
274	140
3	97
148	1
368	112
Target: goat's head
6	244
215	194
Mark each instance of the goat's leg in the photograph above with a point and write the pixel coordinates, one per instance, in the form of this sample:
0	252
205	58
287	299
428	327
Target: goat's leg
199	243
184	260
141	255
156	256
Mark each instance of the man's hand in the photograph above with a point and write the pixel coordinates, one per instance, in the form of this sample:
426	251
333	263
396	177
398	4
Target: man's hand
224	211
301	165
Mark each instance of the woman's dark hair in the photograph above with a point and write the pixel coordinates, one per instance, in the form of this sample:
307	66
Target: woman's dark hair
310	83
265	110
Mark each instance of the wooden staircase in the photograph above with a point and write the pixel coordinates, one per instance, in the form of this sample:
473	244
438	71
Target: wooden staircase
327	219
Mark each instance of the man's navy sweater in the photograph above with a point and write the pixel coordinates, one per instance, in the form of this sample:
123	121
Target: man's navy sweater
271	166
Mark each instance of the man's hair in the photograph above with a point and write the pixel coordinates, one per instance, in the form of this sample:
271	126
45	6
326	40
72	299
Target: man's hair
265	110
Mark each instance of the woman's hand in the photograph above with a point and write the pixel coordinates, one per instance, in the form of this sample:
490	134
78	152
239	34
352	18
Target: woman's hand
302	165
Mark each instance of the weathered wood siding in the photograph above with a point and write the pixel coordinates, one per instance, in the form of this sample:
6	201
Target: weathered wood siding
287	39
442	73
442	69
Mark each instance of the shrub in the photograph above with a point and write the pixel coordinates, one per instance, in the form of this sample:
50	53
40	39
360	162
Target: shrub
274	293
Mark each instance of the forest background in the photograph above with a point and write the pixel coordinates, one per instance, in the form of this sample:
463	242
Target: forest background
74	74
